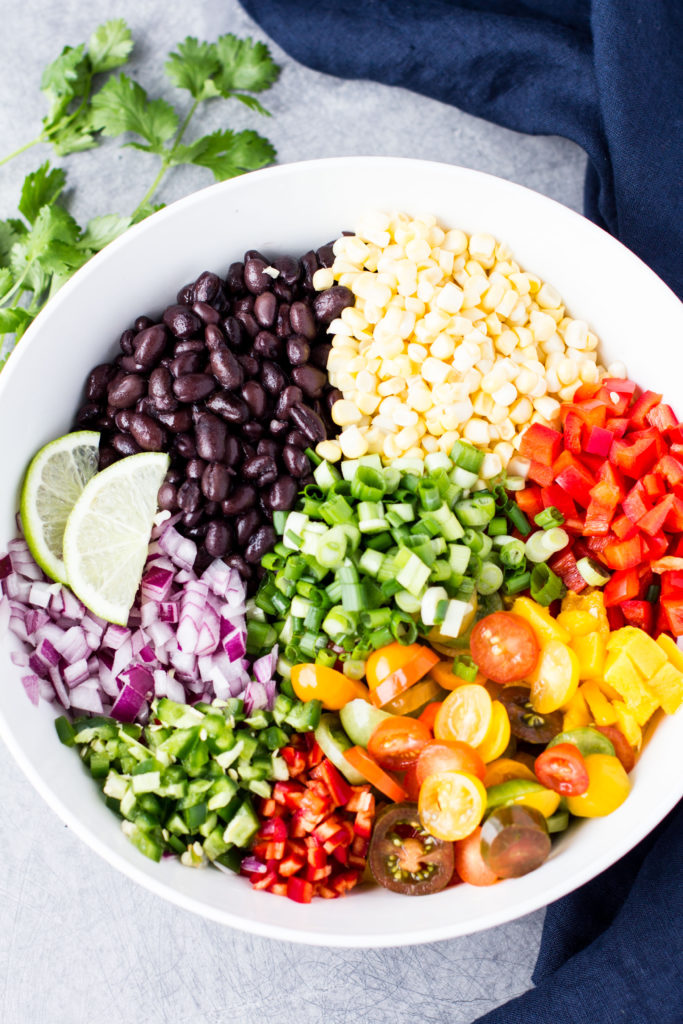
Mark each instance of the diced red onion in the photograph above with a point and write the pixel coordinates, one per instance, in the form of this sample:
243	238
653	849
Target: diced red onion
76	673
264	668
17	588
72	645
128	704
253	866
255	696
233	640
114	636
20	658
5	567
87	698
181	550
31	684
139	677
156	583
22	560
59	687
169	611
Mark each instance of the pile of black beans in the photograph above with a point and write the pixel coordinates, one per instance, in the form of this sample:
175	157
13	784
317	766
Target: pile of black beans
231	382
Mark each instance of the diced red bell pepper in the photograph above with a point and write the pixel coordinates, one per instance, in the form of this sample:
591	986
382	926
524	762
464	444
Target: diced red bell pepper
673	610
623	528
541	444
573	477
674	520
288	793
604	499
599	441
615	617
555	496
318	874
661	417
650	434
617	403
654	547
315	752
274	828
675	435
263	880
641	407
294	759
638	613
671	469
291	864
617	424
270	808
670	563
362	799
653	521
530	501
573	432
340	790
299	890
564	565
623	586
622	385
574	525
633	457
540	474
653	486
269	850
672	583
637	502
584	392
592	411
626	554
345	881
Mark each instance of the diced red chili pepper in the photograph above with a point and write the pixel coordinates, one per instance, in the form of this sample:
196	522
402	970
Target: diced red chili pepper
617	424
530	501
626	554
564	564
270	808
269	849
315	752
316	857
573	432
574	478
363	824
360	845
317	874
540	474
623	586
288	793
361	799
653	521
638	613
599	441
263	881
339	789
299	890
541	444
633	457
345	881
274	828
641	407
291	864
294	759
341	854
661	417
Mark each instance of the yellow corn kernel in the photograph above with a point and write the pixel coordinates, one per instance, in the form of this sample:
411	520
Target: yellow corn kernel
329	450
600	708
367	402
344	413
352	443
667	686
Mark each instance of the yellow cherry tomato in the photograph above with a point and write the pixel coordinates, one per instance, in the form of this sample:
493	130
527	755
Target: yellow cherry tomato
413	698
555	679
318	682
465	715
505	768
451	804
608	787
497	735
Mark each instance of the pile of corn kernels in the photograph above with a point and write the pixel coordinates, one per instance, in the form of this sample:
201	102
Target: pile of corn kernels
448	338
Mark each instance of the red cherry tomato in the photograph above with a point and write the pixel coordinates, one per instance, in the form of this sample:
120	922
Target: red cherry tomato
504	647
470	864
410	783
562	769
429	714
622	747
449	756
397	741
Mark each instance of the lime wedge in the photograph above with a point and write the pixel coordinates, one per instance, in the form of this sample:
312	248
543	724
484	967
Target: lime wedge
53	483
107	534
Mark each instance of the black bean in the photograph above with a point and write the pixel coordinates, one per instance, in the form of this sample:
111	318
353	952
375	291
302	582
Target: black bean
129	364
302	320
189	496
320	354
124	392
197	532
309	262
238	563
332	396
283	291
229	407
245	526
278	427
88	414
185	446
122	420
185	296
298	350
309	379
234	332
249	323
174	476
146	405
193	386
241	499
296	462
265	509
297	439
206	287
147	432
283	328
260	542
272	377
255	397
267	345
194	469
206	313
191	519
126	342
106	458
244	305
181	321
96	384
186	362
234	278
255	254
325	254
329	304
282	494
249	364
225	368
177	421
255	277
217	539
149	345
215	482
253	430
289	267
210	435
308	422
159	389
167	498
213	336
188	345
212	508
124	444
232	450
287	399
262	468
268	447
265	309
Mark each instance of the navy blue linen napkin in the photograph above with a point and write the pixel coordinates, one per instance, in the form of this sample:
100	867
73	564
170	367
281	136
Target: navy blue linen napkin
607	74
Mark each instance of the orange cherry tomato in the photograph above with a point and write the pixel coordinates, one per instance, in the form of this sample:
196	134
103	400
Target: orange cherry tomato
504	646
505	768
429	714
396	742
368	767
414	697
469	862
334	689
448	756
393	669
622	747
563	769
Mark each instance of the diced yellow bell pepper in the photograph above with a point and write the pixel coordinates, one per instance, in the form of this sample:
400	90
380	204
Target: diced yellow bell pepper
672	651
593	604
541	621
646	655
590	650
621	673
627	723
667	686
577	623
601	709
576	713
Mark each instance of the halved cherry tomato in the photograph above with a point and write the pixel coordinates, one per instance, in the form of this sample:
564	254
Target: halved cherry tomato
514	841
393	669
470	864
497	735
414	697
608	787
451	804
410	783
396	742
428	716
446	677
403	858
622	747
334	689
504	646
504	769
363	763
448	756
555	679
464	715
563	769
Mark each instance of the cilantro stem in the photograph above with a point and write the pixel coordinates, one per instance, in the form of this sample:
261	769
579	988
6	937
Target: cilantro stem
166	161
22	149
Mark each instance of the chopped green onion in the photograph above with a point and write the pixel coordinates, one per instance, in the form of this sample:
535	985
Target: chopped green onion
549	517
403	628
368	484
429	495
516	584
478	510
465	668
512	554
545	586
544	543
498	526
467	457
597	575
315	459
517	518
489	578
326	476
331	549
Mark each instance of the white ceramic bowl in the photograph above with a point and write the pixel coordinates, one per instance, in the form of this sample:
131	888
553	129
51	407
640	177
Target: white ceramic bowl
290	209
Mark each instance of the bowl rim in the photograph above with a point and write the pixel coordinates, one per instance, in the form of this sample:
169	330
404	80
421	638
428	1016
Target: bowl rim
419	934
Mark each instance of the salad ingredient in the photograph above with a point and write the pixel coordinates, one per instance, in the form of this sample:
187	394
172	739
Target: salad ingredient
525	792
404	857
451	804
107	534
365	764
497	738
504	647
360	719
448	756
394	669
525	722
397	742
505	768
331	688
448	338
608	787
465	715
622	748
555	678
514	841
429	713
563	769
54	481
469	863
587	740
334	743
410	702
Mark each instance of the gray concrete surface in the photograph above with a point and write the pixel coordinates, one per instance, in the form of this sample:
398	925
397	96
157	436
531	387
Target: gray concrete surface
80	943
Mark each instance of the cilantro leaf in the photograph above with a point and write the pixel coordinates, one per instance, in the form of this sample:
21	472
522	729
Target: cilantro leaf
40	188
227	153
74	139
109	45
192	66
245	65
64	79
8	236
122	105
6	280
14	320
251	102
52	225
100	231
